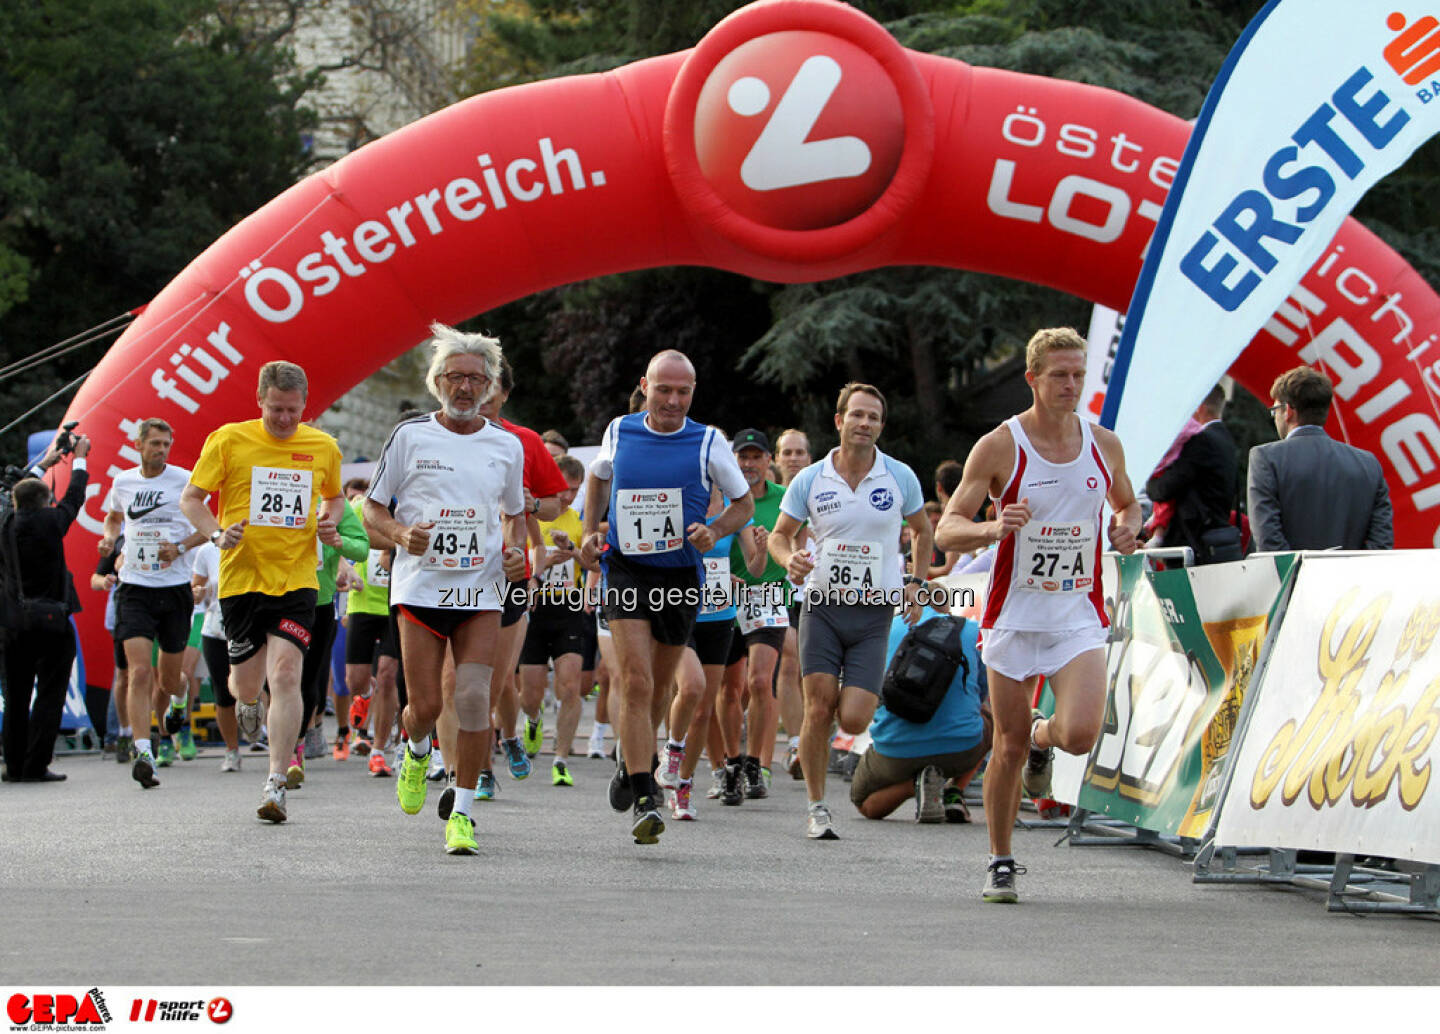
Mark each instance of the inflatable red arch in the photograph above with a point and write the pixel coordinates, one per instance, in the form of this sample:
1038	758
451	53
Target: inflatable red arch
797	142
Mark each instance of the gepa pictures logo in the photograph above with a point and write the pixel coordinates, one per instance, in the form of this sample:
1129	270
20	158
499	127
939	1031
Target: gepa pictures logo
58	1011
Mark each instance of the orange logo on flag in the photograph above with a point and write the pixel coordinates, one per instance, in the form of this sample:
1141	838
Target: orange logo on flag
1415	53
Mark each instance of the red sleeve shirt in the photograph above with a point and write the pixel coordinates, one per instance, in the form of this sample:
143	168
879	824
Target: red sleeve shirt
542	476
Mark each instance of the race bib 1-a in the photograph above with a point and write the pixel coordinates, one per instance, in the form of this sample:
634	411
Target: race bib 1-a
762	606
457	542
716	594
850	565
1056	558
280	498
649	520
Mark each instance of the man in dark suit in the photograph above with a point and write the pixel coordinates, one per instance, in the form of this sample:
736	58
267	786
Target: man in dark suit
1308	491
1202	482
41	660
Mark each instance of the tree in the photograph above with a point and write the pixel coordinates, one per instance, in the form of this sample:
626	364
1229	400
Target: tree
135	133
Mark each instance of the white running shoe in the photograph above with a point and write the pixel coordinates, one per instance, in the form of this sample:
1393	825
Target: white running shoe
231	762
667	775
596	747
818	826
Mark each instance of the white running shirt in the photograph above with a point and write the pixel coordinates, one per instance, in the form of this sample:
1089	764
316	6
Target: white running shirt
1046	575
151	508
464	483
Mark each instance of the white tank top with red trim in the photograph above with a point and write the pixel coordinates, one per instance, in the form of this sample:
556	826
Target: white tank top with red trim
1046	575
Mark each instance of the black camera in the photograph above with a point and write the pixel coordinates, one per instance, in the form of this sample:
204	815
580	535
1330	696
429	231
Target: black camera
65	442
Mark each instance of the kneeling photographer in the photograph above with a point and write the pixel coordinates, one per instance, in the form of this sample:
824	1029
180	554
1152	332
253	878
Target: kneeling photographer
933	727
38	599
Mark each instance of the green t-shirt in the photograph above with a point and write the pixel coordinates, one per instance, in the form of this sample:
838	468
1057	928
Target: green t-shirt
767	512
373	599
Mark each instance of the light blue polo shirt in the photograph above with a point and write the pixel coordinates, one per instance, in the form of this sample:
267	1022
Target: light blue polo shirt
871	513
956	725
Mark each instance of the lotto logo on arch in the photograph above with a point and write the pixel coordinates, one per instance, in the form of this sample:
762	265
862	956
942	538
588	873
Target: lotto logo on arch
799	130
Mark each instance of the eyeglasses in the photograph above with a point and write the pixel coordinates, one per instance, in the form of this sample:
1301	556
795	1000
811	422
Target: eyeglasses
457	379
1275	409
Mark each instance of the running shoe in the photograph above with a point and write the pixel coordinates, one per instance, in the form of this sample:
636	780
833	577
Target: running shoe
166	755
341	750
410	788
619	792
767	779
295	774
437	771
379	766
249	718
185	741
792	763
667	775
359	744
143	771
734	792
175	716
314	743
272	800
486	788
533	735
460	835
124	747
1035	778
929	795
717	784
755	789
1000	882
956	810
359	712
231	762
680	806
515	755
446	804
819	825
596	747
262	745
647	825
560	774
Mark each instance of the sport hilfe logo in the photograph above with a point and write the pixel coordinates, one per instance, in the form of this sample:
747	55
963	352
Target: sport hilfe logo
799	130
1415	53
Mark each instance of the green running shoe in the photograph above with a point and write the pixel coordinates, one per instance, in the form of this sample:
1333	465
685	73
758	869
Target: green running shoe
411	786
460	835
166	757
533	735
560	774
185	739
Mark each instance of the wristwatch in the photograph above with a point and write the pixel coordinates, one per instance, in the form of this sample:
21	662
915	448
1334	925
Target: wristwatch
180	548
536	507
216	535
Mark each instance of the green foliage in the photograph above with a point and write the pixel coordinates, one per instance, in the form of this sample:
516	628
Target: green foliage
136	132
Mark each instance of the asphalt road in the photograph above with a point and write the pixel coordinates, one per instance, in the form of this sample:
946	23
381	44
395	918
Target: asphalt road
102	882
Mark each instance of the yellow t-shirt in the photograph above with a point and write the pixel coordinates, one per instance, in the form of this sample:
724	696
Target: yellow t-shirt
557	578
277	486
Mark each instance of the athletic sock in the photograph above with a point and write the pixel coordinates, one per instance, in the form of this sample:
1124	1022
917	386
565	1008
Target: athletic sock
735	762
125	730
794	742
421	748
143	747
752	763
673	745
1002	858
640	784
463	799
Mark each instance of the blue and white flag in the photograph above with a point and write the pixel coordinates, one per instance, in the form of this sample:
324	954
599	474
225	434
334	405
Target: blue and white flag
1317	101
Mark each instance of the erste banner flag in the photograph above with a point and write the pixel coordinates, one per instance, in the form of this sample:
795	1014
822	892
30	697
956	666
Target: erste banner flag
1317	102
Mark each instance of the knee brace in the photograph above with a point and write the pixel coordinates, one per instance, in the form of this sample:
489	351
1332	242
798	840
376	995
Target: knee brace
472	696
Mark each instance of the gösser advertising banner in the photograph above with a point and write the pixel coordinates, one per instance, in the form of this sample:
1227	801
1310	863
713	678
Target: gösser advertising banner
1318	101
1183	646
1339	747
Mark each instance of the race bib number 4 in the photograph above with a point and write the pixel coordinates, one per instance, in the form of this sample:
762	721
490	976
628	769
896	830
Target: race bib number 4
280	498
650	520
457	542
716	596
142	549
1055	558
